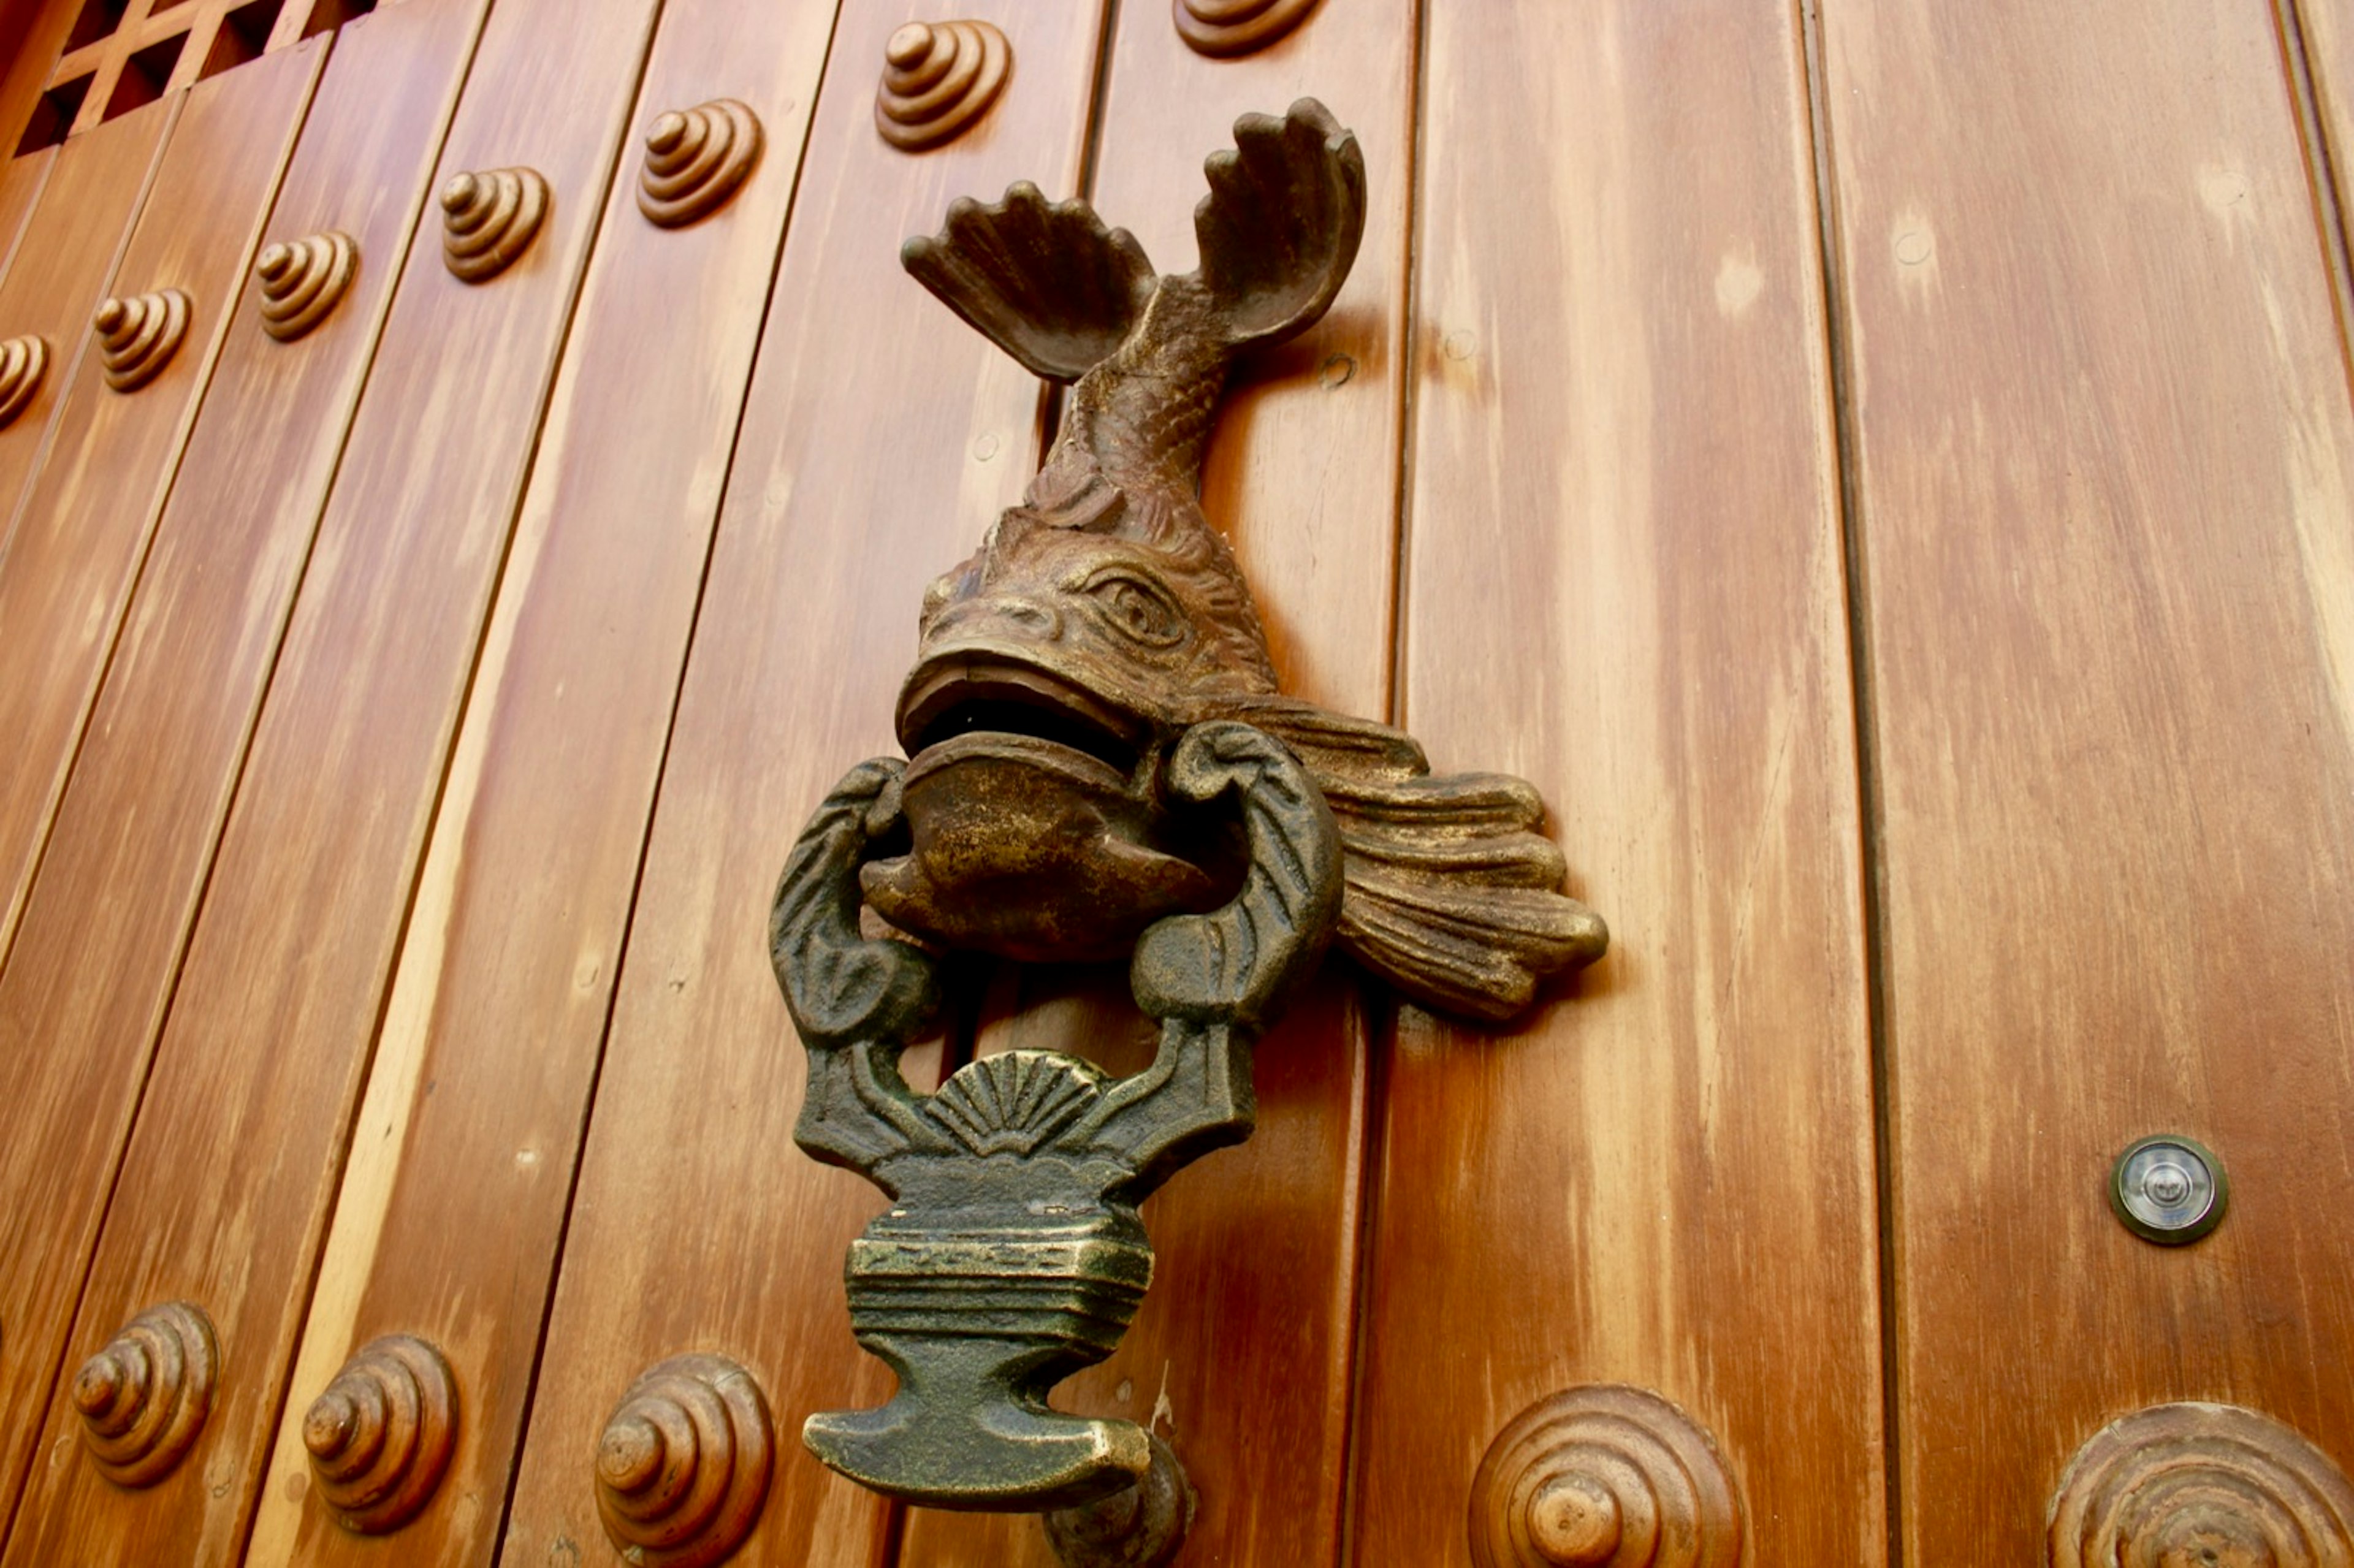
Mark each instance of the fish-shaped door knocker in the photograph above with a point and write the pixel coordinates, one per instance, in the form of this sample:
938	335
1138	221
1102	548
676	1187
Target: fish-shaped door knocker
1101	766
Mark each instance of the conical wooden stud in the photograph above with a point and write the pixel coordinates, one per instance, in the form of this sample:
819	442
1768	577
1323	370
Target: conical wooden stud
2201	1484
138	335
695	159
144	1398
23	362
683	1468
302	279
1223	28
937	78
1603	1475
489	217
380	1436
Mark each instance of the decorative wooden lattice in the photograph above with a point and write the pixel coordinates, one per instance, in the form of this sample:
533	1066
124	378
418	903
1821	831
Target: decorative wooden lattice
121	54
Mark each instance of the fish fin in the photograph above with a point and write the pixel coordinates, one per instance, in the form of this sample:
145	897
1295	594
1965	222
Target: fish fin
1279	228
1044	280
1451	894
1331	745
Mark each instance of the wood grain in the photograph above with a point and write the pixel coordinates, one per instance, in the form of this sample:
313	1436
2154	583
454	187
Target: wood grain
2103	448
71	243
2323	32
20	186
1624	583
278	999
32	33
453	1200
71	1063
91	504
1256	1255
877	441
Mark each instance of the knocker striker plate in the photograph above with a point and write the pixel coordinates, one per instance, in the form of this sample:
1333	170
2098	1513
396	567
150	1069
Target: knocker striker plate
1012	1254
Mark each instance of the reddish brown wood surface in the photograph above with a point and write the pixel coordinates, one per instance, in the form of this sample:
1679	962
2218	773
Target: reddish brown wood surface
1241	1355
92	504
72	243
877	440
2103	442
277	1002
453	1201
1623	582
140	821
31	33
20	186
69	1064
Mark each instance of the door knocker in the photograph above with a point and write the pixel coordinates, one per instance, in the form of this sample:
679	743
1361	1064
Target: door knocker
1101	766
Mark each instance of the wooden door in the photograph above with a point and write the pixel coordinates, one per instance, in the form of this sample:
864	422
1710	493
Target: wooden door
1880	468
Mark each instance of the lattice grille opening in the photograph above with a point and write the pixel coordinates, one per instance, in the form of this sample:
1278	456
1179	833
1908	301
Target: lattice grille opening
121	54
244	36
53	115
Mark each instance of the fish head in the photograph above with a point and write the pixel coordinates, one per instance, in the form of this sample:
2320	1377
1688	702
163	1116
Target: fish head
1056	670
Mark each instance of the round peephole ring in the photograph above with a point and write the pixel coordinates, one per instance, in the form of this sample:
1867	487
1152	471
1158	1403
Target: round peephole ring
2168	1189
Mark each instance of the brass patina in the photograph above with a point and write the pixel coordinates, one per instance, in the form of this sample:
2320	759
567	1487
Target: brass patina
1101	766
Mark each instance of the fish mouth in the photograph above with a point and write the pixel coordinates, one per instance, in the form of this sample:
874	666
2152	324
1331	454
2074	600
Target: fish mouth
979	697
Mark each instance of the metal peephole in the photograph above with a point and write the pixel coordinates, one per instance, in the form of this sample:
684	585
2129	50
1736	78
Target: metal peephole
2168	1189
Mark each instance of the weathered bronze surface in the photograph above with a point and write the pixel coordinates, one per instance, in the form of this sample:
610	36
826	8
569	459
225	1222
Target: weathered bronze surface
1100	766
1143	1526
1012	1254
1105	615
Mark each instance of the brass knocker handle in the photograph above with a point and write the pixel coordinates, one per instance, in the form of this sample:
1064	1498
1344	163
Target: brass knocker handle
1012	1254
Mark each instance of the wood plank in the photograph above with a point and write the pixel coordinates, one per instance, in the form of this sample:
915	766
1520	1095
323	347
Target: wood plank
1256	1254
87	524
453	1200
2322	32
345	763
71	244
1624	583
2103	441
90	507
877	440
20	188
32	33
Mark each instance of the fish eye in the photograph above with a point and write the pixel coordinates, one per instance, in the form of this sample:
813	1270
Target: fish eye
1138	606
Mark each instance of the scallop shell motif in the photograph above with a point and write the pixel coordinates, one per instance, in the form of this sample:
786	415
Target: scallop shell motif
695	159
380	1436
1604	1473
489	217
1225	29
302	279
683	1468
144	1397
1012	1102
937	78
23	362
2201	1483
138	335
